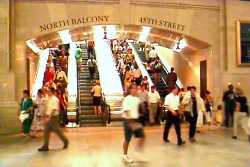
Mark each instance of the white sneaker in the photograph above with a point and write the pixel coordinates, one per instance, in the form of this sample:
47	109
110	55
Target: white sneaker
127	159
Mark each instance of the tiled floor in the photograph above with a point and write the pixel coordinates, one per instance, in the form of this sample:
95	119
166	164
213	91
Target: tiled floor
101	147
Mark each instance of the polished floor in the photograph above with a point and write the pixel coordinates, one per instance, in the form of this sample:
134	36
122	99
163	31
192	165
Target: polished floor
101	147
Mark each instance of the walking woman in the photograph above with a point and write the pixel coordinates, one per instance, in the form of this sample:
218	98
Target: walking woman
25	115
39	113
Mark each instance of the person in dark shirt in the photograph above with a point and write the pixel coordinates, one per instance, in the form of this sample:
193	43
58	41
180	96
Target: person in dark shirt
229	105
171	78
241	114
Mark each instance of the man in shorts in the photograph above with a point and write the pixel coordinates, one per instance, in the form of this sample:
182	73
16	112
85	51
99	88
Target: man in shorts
132	125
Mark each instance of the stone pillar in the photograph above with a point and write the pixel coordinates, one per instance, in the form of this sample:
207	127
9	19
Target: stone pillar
8	105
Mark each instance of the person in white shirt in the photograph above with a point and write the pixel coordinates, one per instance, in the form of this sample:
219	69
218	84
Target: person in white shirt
172	103
152	54
52	121
97	95
131	123
154	100
92	67
193	105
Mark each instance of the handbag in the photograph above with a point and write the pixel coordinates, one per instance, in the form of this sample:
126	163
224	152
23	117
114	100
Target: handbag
23	116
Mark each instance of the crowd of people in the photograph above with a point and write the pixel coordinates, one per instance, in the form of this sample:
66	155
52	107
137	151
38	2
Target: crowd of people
33	113
126	64
180	104
142	104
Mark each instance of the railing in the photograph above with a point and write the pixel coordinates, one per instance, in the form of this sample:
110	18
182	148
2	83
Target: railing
78	108
106	116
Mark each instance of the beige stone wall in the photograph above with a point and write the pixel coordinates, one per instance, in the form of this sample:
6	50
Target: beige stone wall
200	19
8	106
235	10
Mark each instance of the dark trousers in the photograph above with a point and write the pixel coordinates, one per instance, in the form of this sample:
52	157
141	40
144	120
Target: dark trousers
228	118
90	51
171	119
192	123
92	72
53	126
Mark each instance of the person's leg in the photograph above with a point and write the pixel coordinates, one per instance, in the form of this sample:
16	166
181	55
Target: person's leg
99	110
150	113
46	135
139	134
176	121
235	125
168	125
95	110
56	129
127	137
226	116
193	127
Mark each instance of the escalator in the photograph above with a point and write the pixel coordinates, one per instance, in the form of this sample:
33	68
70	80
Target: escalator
162	87
87	118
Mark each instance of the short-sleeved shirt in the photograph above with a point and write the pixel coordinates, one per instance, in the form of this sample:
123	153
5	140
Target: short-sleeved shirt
130	105
52	106
173	101
153	97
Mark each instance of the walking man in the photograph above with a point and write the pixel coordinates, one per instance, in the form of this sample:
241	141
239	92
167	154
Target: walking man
52	121
191	111
229	104
131	123
172	103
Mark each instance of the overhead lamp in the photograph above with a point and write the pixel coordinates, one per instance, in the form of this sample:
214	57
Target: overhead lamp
180	45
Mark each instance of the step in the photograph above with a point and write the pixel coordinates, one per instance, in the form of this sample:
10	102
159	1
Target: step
92	124
86	111
90	117
99	121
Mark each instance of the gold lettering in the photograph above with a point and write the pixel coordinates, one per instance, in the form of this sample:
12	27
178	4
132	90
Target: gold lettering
99	18
106	17
43	28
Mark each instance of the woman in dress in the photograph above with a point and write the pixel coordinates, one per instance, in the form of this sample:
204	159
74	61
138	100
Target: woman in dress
25	115
39	112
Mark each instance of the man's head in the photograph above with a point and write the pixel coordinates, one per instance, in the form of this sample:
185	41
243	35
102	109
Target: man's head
175	90
172	69
133	90
193	90
153	88
231	87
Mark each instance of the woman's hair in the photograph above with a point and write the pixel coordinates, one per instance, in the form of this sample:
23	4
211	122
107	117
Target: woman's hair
239	91
40	91
27	92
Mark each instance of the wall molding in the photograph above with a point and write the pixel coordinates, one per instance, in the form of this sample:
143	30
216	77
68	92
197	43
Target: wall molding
73	1
173	5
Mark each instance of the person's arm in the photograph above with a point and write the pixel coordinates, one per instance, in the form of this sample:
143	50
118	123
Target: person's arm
65	77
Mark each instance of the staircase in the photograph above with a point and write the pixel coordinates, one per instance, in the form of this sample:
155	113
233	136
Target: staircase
161	86
87	118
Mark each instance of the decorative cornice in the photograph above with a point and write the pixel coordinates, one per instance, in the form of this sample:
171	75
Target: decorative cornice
73	1
175	5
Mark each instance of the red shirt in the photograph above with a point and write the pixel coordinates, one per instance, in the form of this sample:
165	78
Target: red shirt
48	76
